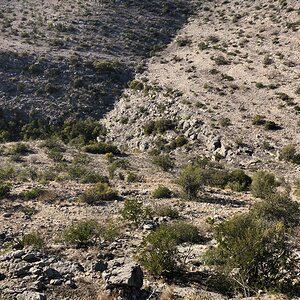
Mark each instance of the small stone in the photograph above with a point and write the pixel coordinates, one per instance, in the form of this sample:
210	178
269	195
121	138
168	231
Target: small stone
56	282
30	257
99	266
71	283
18	254
52	274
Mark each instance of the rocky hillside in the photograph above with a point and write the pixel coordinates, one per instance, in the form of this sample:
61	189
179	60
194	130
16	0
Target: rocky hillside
185	185
229	83
63	59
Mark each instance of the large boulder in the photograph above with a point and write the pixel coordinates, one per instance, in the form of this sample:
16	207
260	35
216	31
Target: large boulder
128	275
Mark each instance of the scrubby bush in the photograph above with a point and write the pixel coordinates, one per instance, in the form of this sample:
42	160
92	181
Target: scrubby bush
289	153
82	233
55	154
158	253
53	143
254	253
85	174
106	66
297	188
259	120
263	184
81	131
136	85
180	141
18	148
159	126
111	230
33	193
164	161
162	192
135	212
190	179
270	125
99	193
182	232
32	239
101	148
278	208
132	177
238	180
4	190
167	211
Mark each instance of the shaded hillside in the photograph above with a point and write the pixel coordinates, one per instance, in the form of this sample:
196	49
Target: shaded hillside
62	59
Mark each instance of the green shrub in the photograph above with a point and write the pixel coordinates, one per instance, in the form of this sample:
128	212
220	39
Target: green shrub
270	125
263	184
32	194
132	177
181	42
85	174
239	181
289	153
278	208
178	142
167	211
159	126
221	60
215	177
136	85
19	148
254	252
55	154
106	66
190	179
4	190
297	188
101	148
225	122
158	253
134	212
258	120
82	233
99	193
162	192
182	232
111	230
81	131
53	143
32	239
164	161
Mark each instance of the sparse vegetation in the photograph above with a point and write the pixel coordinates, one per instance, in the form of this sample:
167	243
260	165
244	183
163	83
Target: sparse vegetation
99	193
253	250
263	184
82	233
4	190
32	239
164	161
162	192
111	118
289	153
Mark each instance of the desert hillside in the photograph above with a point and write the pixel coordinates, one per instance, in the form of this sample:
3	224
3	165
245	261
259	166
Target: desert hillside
63	59
149	150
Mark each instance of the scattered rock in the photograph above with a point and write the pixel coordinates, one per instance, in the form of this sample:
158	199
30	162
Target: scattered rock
129	275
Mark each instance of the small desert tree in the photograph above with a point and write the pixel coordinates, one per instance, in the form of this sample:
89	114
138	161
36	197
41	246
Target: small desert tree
263	184
191	179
